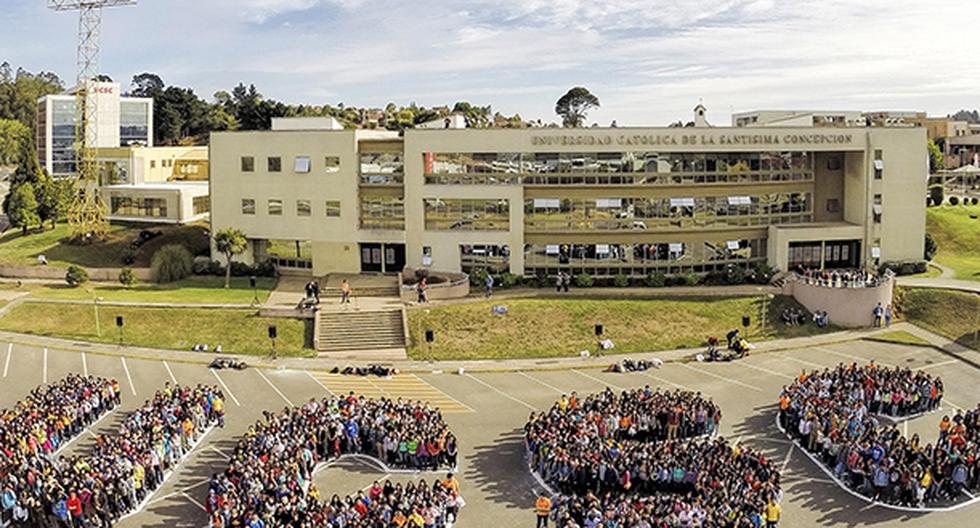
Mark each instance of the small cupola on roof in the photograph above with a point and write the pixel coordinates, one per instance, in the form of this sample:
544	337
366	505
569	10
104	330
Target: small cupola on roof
699	116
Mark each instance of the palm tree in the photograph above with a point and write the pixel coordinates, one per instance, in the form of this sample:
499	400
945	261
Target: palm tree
230	242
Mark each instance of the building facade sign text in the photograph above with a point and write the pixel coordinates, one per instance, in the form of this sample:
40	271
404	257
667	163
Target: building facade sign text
661	139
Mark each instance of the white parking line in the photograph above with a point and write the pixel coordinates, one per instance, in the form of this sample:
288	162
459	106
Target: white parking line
667	381
853	357
502	393
86	430
194	501
172	377
279	392
805	362
44	371
128	377
789	453
365	488
84	365
220	452
723	378
763	369
940	364
227	390
178	492
6	364
550	386
593	378
318	382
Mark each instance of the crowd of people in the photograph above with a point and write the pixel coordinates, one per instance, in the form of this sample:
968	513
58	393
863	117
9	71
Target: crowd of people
844	278
844	416
40	489
645	458
269	478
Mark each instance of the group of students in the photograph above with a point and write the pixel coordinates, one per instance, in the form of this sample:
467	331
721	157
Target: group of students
94	490
268	481
859	278
844	416
644	459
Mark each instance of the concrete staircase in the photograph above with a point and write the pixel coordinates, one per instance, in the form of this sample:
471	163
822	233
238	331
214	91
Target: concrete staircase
332	293
341	331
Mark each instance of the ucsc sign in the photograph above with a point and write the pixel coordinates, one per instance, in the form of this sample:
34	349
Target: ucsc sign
692	139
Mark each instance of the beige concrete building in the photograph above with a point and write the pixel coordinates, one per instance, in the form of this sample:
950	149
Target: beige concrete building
603	201
155	184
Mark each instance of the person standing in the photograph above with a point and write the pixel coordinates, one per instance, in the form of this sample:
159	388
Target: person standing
423	291
345	291
773	511
878	312
488	285
888	315
558	282
316	291
542	508
566	279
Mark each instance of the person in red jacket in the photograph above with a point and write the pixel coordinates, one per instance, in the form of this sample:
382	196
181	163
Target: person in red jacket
74	505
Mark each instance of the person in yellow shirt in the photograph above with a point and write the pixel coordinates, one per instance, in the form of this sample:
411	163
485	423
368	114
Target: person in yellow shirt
415	520
542	507
451	484
773	510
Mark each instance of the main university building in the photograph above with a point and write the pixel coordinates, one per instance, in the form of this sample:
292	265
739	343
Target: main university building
602	201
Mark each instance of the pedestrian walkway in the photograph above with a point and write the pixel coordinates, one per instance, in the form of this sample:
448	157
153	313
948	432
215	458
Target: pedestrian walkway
404	386
940	282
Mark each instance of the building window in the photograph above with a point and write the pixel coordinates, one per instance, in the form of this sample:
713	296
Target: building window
248	206
201	204
331	164
275	207
876	208
275	164
248	164
129	206
333	208
495	259
303	208
833	205
467	214
833	163
153	164
382	212
301	164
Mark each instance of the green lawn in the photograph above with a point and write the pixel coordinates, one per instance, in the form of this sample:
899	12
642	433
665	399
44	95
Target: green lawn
958	237
930	272
237	331
898	336
20	250
949	313
196	289
553	327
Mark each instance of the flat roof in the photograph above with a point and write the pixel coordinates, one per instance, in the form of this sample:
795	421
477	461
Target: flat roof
158	186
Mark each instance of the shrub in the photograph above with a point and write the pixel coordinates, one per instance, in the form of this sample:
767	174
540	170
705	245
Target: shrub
128	256
584	280
762	273
936	194
691	279
477	276
954	200
126	277
907	267
975	200
735	274
621	281
656	279
931	247
171	263
76	276
509	280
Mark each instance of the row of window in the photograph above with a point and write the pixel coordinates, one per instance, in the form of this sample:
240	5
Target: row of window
643	253
301	164
746	177
467	214
646	213
613	162
274	207
129	206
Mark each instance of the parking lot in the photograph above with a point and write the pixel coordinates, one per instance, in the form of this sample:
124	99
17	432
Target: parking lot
487	412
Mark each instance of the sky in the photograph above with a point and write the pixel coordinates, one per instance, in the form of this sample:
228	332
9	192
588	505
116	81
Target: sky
649	62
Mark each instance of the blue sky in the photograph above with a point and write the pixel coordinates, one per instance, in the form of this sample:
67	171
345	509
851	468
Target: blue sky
648	61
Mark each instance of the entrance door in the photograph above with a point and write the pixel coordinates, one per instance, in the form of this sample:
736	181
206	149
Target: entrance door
371	258
394	258
842	254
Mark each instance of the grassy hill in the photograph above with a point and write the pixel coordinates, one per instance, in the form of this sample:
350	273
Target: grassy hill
958	237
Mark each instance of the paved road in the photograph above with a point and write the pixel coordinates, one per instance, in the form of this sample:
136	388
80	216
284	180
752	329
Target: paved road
487	411
940	282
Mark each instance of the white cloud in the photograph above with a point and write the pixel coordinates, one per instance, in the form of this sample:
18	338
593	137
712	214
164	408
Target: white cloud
648	61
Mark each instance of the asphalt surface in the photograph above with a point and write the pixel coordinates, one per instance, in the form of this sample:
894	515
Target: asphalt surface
487	412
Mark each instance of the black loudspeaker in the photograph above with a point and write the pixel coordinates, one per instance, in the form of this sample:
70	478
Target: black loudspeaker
272	331
251	281
598	330
746	321
430	336
119	321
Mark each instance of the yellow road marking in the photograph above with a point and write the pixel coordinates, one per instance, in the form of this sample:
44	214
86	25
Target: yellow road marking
404	386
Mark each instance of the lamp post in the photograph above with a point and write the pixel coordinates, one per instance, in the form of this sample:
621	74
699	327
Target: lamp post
95	303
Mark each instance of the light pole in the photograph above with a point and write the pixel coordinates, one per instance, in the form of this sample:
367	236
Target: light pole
95	303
